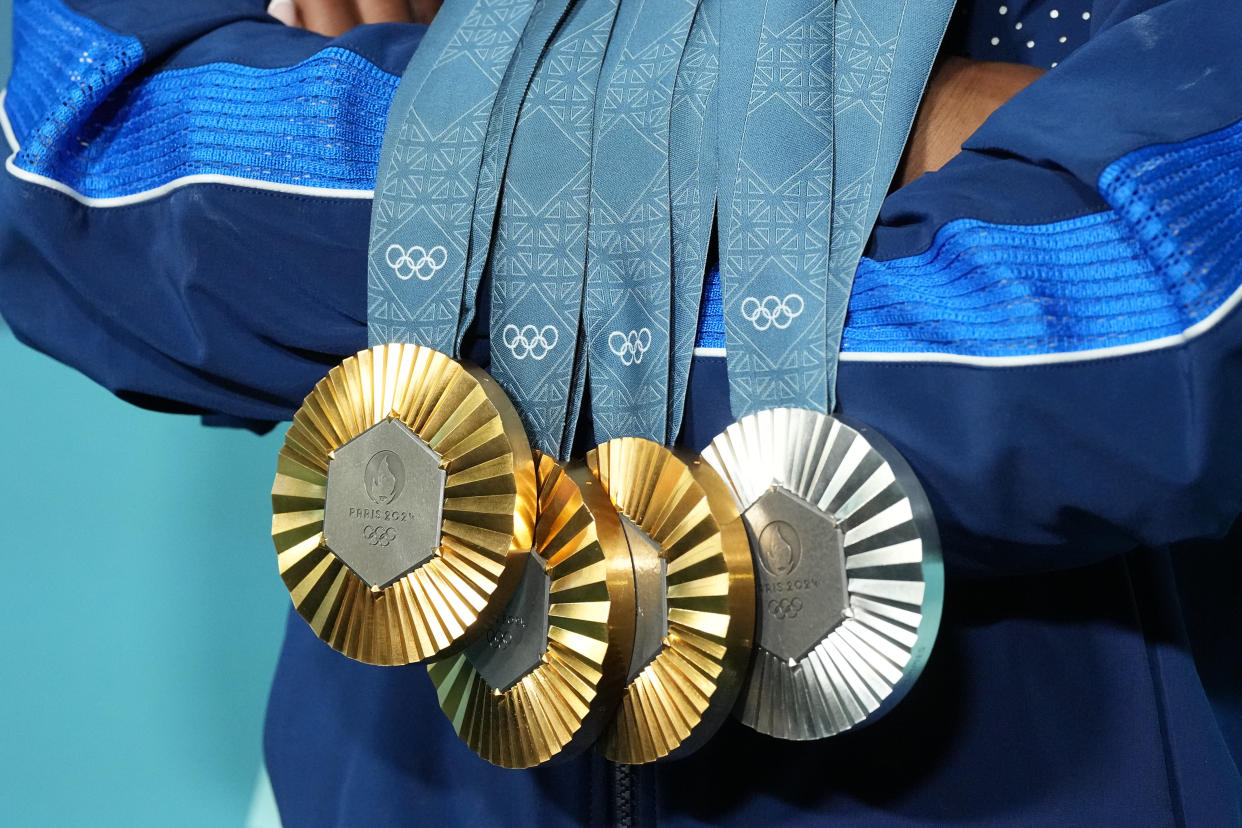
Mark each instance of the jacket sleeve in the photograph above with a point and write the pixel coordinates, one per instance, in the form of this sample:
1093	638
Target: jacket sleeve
187	195
1049	326
1045	328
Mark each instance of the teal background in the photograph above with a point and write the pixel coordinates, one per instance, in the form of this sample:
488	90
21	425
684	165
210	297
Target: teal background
140	607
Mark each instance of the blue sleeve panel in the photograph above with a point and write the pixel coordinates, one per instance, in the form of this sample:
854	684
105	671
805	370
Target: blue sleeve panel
234	298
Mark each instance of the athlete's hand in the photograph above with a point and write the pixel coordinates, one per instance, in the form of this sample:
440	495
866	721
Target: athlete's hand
961	94
335	17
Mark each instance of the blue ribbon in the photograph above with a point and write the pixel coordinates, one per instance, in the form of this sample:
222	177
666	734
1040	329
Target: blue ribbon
538	261
426	186
833	92
692	177
544	21
774	261
629	248
884	55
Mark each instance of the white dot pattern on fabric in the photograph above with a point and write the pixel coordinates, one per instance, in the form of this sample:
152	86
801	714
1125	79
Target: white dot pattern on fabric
1041	31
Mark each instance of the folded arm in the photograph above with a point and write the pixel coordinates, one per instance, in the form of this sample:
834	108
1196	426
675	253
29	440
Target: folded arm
186	209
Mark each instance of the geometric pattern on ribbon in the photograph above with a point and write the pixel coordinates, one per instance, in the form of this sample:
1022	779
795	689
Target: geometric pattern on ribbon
692	182
538	257
877	44
775	258
497	145
628	295
866	45
429	170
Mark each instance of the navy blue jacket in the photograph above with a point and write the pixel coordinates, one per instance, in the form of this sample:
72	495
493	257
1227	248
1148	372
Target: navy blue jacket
1048	329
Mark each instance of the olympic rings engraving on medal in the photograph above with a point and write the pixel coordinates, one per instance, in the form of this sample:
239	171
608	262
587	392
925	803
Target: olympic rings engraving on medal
772	312
379	535
506	631
530	341
785	608
630	347
417	261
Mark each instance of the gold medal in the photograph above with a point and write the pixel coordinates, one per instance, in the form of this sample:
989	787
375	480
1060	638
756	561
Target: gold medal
696	599
848	570
403	505
542	682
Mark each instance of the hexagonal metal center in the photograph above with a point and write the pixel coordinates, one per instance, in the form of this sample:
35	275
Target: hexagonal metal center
515	644
799	573
651	596
384	502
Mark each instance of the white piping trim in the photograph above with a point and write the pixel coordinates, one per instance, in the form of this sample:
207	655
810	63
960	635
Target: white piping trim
1174	340
5	125
1198	329
10	164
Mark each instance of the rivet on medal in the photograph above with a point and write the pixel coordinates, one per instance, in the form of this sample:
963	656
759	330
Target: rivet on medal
544	680
848	571
403	505
695	599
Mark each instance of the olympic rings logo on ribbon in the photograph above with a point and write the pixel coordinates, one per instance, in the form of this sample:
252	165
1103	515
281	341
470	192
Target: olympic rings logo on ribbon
771	311
630	347
530	341
416	261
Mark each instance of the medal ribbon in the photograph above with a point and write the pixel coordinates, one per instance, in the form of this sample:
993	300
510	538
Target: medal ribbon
844	76
774	260
428	175
538	262
692	177
629	246
884	55
497	146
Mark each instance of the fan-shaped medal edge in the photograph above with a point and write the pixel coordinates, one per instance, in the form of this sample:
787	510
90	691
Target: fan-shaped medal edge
558	707
892	573
454	428
678	699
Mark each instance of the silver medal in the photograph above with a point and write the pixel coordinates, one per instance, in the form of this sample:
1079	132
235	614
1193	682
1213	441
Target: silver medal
849	578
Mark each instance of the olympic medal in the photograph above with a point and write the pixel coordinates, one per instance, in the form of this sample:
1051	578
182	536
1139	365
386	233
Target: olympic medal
544	679
695	599
403	505
849	577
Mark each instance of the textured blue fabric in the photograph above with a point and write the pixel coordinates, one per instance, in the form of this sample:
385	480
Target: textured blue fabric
241	32
1163	260
64	65
317	123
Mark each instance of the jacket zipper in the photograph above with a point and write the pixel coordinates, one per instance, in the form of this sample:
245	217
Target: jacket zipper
624	796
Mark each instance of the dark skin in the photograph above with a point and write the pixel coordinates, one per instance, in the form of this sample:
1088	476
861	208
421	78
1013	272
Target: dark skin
960	95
